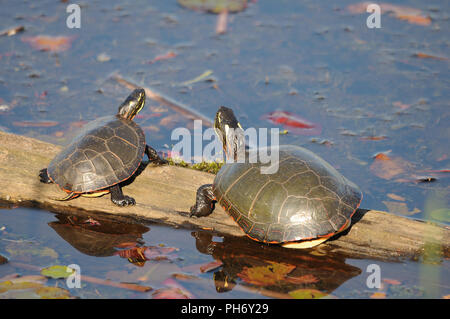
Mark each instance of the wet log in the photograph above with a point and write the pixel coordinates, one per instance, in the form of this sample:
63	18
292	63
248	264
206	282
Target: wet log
164	194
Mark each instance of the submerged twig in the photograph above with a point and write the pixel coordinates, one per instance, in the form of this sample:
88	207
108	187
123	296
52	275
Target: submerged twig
175	105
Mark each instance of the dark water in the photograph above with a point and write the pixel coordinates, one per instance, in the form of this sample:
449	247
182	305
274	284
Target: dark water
316	60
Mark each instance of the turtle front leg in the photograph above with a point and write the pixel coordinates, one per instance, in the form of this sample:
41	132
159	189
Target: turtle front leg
205	199
118	198
43	176
153	156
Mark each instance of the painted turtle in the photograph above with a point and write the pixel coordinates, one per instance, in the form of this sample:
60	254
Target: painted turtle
302	204
107	152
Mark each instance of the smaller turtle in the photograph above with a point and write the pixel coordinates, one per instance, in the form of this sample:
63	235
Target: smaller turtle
106	153
305	202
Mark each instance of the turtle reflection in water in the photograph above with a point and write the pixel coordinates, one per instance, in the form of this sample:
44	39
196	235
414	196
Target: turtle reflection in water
107	153
302	204
271	271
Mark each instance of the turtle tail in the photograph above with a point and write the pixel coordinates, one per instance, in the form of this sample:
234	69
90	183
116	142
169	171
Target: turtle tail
69	196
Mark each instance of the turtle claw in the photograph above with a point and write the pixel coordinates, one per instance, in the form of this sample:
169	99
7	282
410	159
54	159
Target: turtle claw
43	176
201	210
125	201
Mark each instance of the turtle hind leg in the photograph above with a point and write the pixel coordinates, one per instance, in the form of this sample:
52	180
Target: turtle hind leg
204	203
118	198
153	156
43	176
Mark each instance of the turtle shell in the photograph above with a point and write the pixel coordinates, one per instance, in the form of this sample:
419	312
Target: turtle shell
305	198
108	151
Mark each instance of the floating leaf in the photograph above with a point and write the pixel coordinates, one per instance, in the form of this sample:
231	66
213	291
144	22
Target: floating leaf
266	275
400	208
307	294
378	295
391	281
388	167
441	214
211	266
49	43
168	55
428	56
36	124
396	197
201	77
214	6
57	272
293	122
28	287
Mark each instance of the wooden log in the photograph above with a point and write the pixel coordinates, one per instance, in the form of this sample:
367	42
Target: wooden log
165	193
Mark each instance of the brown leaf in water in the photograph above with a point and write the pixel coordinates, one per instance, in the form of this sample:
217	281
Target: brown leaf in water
266	275
35	124
401	105
49	43
400	208
211	266
387	167
422	55
396	197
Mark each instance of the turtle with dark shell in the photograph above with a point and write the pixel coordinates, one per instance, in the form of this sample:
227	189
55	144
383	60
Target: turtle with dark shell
300	205
106	153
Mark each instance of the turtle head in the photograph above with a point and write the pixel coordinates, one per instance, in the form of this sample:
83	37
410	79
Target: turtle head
230	132
132	105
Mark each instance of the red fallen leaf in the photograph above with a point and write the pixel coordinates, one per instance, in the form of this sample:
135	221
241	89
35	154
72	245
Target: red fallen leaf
381	156
428	56
221	24
211	266
373	138
36	124
401	105
419	20
49	43
168	55
391	281
293	122
388	167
